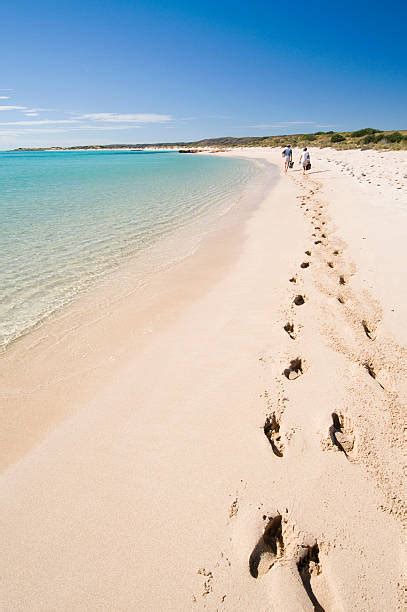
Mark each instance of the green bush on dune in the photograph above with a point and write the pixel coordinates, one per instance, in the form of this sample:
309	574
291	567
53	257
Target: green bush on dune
337	138
309	137
364	132
394	137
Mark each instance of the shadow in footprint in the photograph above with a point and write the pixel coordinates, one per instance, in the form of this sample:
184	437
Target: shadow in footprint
370	370
369	333
272	432
268	548
289	328
307	566
305	264
299	300
343	440
294	370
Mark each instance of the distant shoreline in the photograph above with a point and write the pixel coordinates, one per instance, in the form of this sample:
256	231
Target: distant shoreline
367	138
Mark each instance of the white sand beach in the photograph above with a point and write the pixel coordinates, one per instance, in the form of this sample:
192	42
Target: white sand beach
233	439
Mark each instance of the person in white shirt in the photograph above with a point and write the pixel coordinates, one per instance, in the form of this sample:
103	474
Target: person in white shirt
305	160
287	156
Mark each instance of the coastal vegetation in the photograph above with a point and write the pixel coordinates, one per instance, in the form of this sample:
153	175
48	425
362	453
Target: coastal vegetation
366	138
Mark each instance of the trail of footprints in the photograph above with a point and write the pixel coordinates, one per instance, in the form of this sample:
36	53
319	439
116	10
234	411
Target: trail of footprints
280	542
273	546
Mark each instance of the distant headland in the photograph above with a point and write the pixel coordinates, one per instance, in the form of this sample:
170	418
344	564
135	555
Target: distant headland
369	138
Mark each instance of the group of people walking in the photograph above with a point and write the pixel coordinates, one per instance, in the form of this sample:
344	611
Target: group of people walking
305	159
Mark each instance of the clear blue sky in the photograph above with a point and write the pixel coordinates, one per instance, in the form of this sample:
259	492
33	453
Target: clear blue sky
106	71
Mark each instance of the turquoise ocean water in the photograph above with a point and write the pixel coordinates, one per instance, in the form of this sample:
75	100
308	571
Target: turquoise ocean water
69	218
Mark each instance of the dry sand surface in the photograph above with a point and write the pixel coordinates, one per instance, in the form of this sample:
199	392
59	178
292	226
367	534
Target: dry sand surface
247	454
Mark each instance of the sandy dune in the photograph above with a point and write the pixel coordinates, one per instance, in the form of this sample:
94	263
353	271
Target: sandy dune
248	453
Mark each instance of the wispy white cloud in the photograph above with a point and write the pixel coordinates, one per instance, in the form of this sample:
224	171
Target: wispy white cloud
10	108
38	110
39	122
4	97
65	129
127	117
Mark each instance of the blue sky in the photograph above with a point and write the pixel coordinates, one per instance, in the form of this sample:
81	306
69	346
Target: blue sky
117	71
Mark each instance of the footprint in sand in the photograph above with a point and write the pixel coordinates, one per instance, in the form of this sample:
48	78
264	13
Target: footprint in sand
295	369
304	264
272	432
341	433
268	549
308	568
368	330
278	544
290	329
368	365
299	300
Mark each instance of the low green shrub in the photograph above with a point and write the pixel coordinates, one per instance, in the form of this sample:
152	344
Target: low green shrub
394	137
309	137
337	138
370	139
364	132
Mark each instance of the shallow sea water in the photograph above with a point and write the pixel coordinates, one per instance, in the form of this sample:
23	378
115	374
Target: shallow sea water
70	218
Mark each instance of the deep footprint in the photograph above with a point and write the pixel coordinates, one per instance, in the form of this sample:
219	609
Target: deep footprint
272	432
309	566
268	549
294	370
305	264
289	328
343	439
299	300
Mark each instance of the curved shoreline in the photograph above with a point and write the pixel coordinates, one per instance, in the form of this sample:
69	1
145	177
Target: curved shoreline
142	221
244	451
62	362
